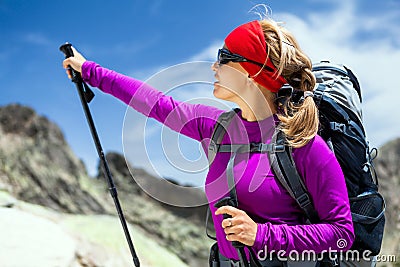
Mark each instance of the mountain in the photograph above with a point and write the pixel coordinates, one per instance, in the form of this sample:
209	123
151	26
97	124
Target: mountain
37	236
43	185
37	166
180	229
388	172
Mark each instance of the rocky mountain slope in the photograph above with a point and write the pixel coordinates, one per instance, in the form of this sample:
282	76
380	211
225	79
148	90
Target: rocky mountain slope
387	166
38	167
37	236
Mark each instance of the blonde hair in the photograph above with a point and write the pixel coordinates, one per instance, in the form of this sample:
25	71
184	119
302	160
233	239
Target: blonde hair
298	121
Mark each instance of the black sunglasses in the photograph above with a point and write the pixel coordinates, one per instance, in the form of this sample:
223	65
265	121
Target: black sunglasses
225	56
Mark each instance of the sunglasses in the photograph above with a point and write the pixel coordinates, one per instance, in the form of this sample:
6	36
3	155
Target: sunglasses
225	56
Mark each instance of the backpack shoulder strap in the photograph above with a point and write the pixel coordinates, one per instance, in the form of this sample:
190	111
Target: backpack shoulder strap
285	170
219	132
216	138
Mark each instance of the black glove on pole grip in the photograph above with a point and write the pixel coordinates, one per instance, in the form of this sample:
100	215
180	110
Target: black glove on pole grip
81	86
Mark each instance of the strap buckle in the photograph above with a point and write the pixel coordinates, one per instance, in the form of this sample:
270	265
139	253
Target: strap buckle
304	200
212	146
264	148
257	147
278	148
212	152
337	127
235	263
335	262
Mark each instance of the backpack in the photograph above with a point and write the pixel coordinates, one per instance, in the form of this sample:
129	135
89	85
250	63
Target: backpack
338	98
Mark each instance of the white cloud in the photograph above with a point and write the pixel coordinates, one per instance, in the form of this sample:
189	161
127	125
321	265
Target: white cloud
366	44
36	38
209	53
335	35
131	47
190	81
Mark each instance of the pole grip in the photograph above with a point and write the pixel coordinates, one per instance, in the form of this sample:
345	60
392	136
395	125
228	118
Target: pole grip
228	201
75	75
67	50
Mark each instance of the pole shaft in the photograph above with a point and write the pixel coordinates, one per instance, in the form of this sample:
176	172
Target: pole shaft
85	97
106	170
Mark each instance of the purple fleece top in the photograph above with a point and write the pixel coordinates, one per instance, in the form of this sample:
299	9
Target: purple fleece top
281	223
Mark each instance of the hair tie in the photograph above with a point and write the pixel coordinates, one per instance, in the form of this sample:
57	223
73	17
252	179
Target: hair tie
289	44
308	93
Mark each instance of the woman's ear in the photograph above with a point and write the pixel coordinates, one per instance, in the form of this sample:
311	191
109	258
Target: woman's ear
250	79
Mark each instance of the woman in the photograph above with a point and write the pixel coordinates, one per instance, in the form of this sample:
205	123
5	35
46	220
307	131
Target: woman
256	60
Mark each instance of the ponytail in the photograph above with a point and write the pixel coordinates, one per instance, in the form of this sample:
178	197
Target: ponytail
299	121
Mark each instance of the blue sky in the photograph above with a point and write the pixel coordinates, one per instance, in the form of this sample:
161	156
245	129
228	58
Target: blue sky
142	38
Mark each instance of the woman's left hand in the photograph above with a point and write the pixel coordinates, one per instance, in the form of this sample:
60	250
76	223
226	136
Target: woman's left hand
75	62
240	227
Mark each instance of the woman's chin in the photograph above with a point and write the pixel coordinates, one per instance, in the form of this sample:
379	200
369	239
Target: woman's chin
221	92
218	91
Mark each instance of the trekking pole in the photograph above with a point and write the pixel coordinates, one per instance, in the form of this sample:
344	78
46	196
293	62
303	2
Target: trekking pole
86	95
228	201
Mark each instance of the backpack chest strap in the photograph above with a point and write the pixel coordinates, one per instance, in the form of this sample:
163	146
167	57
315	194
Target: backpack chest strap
250	148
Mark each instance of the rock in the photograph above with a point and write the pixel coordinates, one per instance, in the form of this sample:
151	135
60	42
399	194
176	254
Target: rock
388	171
38	165
100	242
27	240
6	200
181	230
35	236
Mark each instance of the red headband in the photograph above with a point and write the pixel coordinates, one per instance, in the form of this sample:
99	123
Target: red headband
248	41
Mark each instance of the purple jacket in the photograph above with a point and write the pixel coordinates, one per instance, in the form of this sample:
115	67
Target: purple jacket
281	222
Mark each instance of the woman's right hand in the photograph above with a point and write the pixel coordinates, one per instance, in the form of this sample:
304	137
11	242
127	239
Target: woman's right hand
75	62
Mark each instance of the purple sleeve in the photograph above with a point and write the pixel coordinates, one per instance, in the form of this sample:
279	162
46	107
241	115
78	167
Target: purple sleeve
193	120
325	182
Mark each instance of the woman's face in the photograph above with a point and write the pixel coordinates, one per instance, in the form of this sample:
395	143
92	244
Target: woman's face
231	80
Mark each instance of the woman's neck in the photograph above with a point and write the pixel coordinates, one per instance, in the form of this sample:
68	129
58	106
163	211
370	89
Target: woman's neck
255	113
257	107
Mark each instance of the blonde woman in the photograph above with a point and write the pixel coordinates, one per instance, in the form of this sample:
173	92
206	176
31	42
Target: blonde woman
256	60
